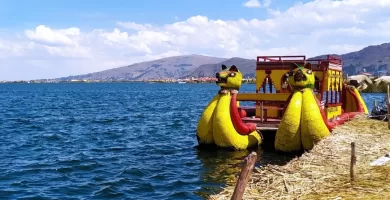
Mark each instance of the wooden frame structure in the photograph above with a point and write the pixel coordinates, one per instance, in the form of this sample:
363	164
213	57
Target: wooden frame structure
273	91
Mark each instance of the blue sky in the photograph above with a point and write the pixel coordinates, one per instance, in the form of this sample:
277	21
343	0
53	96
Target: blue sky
48	39
19	14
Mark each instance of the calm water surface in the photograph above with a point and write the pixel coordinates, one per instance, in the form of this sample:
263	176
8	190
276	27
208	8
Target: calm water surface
109	141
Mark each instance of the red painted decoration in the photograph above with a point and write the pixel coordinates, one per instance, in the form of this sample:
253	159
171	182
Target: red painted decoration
242	112
341	119
241	127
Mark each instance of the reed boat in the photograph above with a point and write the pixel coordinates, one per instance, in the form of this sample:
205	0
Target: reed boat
300	99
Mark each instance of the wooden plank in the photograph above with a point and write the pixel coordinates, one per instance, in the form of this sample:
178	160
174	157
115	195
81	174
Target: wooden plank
258	119
272	107
262	97
267	128
246	171
273	97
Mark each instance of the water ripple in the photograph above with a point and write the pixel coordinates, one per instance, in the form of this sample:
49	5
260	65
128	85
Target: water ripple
108	141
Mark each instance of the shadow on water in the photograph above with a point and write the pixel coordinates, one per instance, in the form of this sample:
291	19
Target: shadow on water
270	156
222	166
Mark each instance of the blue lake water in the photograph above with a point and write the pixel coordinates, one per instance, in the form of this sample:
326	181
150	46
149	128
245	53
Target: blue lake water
109	141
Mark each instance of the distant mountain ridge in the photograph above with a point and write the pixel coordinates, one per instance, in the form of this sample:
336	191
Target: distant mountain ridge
246	66
373	59
165	68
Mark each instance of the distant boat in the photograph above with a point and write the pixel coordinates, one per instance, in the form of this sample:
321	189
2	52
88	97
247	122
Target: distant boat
181	82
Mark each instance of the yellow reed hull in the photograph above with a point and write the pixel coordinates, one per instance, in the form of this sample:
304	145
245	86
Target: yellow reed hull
224	133
288	135
302	124
205	125
313	127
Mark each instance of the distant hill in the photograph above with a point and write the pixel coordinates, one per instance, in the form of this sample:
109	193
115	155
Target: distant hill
373	59
171	67
246	66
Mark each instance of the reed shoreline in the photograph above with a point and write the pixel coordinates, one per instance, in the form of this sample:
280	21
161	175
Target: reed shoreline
324	172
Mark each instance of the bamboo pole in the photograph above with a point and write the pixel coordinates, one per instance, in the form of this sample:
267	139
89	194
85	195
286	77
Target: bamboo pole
246	171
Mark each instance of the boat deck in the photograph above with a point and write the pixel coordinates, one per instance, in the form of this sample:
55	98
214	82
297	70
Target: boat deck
270	124
262	123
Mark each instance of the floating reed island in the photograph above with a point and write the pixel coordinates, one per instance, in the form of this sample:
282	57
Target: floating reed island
325	171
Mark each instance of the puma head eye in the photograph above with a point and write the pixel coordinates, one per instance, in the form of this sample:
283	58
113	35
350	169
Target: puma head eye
232	74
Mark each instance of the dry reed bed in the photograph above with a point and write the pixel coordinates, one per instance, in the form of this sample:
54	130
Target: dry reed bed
324	172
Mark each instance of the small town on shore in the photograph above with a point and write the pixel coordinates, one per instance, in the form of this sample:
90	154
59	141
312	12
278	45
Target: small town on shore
166	80
161	80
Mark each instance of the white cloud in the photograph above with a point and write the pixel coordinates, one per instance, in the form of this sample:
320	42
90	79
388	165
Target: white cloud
342	48
273	12
252	4
257	4
69	52
46	35
134	26
115	37
314	28
266	3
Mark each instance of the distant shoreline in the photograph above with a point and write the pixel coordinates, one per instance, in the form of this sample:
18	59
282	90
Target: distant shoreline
81	82
369	90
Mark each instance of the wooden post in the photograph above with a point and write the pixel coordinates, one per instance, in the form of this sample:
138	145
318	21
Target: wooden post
353	162
388	106
262	111
246	171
